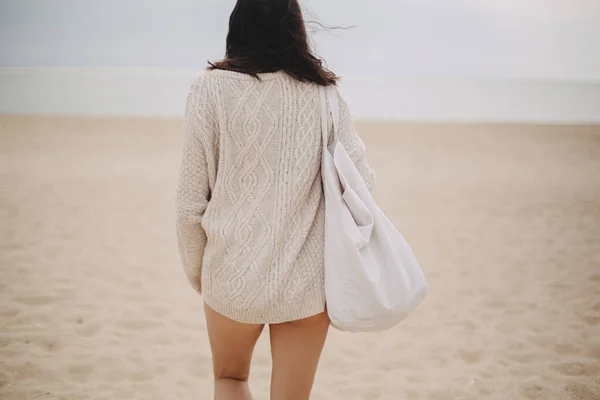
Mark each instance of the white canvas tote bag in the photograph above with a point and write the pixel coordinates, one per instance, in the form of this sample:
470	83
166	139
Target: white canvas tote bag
372	279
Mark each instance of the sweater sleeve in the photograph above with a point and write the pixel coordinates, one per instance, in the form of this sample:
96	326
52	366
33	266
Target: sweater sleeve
353	144
193	192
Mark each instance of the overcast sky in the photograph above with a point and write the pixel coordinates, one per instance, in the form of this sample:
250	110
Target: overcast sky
541	39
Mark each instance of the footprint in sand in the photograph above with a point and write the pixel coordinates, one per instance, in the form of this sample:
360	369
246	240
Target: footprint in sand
115	375
525	358
141	376
50	345
591	320
471	356
484	374
8	311
515	311
35	300
582	391
88	330
468	325
534	391
18	393
577	369
136	325
594	351
495	303
81	371
415	378
559	285
544	341
565	349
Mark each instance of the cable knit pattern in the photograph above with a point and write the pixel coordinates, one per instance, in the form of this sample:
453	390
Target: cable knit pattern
250	207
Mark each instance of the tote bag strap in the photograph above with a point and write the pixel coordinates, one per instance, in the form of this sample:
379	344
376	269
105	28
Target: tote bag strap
334	110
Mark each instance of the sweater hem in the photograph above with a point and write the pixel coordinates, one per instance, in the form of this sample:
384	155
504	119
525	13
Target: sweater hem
273	315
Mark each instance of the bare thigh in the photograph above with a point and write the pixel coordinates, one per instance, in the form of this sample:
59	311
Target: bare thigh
232	344
296	348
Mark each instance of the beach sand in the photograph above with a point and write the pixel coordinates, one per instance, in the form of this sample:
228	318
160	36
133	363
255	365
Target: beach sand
504	219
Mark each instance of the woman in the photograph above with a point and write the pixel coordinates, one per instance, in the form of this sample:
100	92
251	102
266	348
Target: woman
250	207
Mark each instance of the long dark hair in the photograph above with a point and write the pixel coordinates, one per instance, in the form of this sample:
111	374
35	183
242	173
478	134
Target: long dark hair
270	36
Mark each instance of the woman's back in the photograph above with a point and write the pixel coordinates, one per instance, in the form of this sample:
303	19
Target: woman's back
260	187
250	206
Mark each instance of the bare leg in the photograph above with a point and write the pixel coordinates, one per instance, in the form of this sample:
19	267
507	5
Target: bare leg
296	348
232	344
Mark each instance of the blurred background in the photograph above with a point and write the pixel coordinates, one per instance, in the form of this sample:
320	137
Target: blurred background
481	123
465	60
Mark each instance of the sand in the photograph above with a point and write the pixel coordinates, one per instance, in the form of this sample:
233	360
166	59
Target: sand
505	220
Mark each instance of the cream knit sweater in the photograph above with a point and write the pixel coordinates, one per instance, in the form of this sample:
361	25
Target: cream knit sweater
250	221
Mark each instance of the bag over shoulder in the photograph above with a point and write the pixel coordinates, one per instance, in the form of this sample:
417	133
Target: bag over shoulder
372	279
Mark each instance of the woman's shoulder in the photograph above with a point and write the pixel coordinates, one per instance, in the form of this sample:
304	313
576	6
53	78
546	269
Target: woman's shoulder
208	79
203	84
201	79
